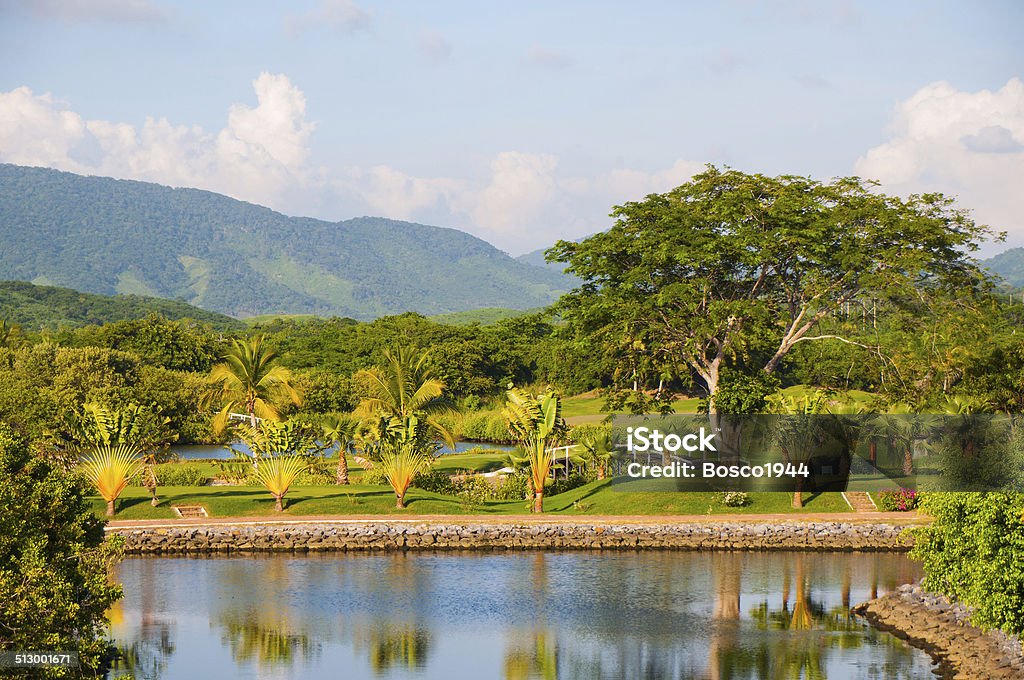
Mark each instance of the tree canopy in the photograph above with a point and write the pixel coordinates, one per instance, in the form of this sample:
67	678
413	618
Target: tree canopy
732	265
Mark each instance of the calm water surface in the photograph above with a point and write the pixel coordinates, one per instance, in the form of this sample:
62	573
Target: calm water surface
218	452
512	616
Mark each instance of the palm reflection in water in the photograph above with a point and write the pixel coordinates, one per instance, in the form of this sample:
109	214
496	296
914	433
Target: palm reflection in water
535	615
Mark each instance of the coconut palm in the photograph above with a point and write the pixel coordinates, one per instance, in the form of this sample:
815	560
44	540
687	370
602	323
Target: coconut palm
340	430
249	378
110	468
536	421
407	397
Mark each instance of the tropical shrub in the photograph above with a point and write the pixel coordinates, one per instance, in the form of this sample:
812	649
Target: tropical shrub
434	481
562	484
176	474
735	499
110	469
973	552
898	500
374	477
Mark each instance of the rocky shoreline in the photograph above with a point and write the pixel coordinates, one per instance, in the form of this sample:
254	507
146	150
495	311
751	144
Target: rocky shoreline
370	535
931	622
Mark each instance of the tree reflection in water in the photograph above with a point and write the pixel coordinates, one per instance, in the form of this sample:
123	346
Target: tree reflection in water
713	616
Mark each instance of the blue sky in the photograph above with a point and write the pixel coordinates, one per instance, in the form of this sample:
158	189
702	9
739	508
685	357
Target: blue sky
520	123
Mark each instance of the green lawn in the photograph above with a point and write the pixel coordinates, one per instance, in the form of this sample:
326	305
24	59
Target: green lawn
596	498
589	405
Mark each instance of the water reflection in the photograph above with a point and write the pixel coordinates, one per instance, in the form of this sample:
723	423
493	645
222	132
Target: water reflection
718	616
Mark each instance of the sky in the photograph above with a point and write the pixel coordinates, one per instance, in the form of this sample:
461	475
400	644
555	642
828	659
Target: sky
524	122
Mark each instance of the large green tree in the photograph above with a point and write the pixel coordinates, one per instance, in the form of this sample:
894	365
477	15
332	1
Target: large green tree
738	268
54	563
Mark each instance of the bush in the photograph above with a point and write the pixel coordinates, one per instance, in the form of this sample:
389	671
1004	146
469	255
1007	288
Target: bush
434	481
374	477
898	500
735	499
488	426
973	552
175	474
561	485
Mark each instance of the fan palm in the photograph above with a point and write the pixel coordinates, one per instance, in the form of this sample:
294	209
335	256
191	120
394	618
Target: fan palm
249	377
536	421
400	462
110	468
406	394
277	473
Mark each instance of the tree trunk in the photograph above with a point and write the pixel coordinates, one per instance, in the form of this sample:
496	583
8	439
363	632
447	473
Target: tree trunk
798	498
600	471
110	508
154	501
873	452
538	501
342	476
278	505
908	460
400	501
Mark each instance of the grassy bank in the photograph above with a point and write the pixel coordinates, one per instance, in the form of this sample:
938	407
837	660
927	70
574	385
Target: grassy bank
596	498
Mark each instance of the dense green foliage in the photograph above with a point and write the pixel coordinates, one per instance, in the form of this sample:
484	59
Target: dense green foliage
105	236
732	269
973	551
54	587
49	307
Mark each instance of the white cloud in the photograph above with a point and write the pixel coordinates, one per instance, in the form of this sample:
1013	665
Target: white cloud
258	156
518	201
79	11
967	144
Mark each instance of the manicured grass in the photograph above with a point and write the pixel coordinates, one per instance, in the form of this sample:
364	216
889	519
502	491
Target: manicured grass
589	405
596	498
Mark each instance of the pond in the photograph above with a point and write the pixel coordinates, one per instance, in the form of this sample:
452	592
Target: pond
583	615
219	452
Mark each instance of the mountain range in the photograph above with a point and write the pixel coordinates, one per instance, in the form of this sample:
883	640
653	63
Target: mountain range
108	236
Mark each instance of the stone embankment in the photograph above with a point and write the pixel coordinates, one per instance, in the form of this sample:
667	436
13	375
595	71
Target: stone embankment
363	535
932	623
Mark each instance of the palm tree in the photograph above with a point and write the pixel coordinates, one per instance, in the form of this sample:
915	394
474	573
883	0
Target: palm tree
596	442
400	461
277	473
407	396
536	421
110	468
341	430
797	433
249	378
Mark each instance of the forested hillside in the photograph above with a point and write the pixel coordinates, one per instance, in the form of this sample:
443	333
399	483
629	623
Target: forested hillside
37	307
111	236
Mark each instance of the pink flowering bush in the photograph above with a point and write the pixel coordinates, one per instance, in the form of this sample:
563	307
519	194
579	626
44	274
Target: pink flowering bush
898	500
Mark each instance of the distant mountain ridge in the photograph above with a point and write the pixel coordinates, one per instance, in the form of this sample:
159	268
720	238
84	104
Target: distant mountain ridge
108	236
1008	265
